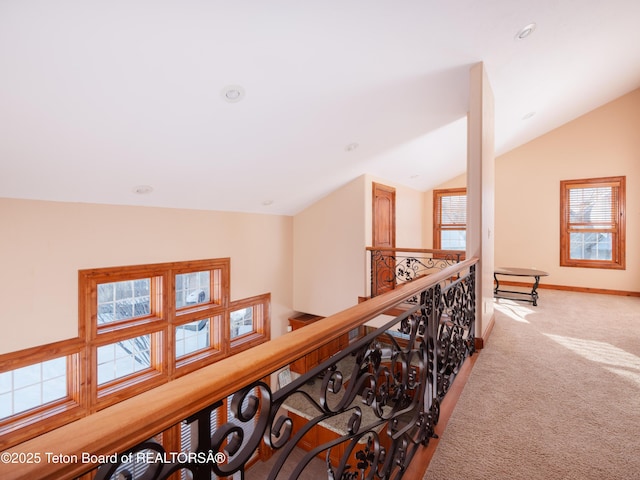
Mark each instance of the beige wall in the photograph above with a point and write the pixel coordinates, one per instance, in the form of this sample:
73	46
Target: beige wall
44	244
330	264
329	257
602	143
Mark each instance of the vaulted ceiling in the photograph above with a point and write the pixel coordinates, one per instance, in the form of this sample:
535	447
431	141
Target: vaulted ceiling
99	98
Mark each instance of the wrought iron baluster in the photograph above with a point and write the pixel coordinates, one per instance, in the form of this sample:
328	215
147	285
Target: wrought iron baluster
384	391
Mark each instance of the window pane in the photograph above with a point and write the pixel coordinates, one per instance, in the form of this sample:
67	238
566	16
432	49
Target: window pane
29	375
591	205
241	322
453	210
591	246
193	288
192	337
123	358
54	389
124	300
450	219
453	240
27	398
54	368
6	405
32	386
592	232
5	382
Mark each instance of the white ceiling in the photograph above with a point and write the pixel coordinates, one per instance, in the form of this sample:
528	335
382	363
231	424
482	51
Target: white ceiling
98	97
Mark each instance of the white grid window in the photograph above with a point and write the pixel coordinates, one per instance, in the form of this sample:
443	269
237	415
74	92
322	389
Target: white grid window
450	219
192	337
592	232
123	358
193	288
32	386
241	322
120	301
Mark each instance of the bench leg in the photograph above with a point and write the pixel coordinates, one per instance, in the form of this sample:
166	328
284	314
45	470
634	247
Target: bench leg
534	292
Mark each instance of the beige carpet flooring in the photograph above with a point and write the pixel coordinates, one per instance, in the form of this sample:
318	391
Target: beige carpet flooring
555	394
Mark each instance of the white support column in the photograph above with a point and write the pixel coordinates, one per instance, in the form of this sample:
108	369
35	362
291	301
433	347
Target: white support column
480	191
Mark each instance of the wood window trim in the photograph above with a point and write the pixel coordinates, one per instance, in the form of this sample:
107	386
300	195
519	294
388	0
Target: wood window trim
437	211
119	389
262	323
36	421
84	397
618	261
217	349
160	323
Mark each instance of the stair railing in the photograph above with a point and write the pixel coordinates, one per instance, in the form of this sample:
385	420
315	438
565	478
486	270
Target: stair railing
394	266
381	395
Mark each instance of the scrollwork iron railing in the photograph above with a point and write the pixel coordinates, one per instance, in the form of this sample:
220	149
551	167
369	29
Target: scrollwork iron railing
375	402
393	266
379	397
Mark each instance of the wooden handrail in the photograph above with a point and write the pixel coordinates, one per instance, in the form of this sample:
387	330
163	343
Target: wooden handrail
130	422
416	250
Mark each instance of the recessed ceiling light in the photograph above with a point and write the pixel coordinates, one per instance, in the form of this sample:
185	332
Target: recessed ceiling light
351	147
415	175
525	31
143	189
266	203
527	116
232	93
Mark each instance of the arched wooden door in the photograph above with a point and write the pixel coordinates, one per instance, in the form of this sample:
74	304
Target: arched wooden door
384	236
